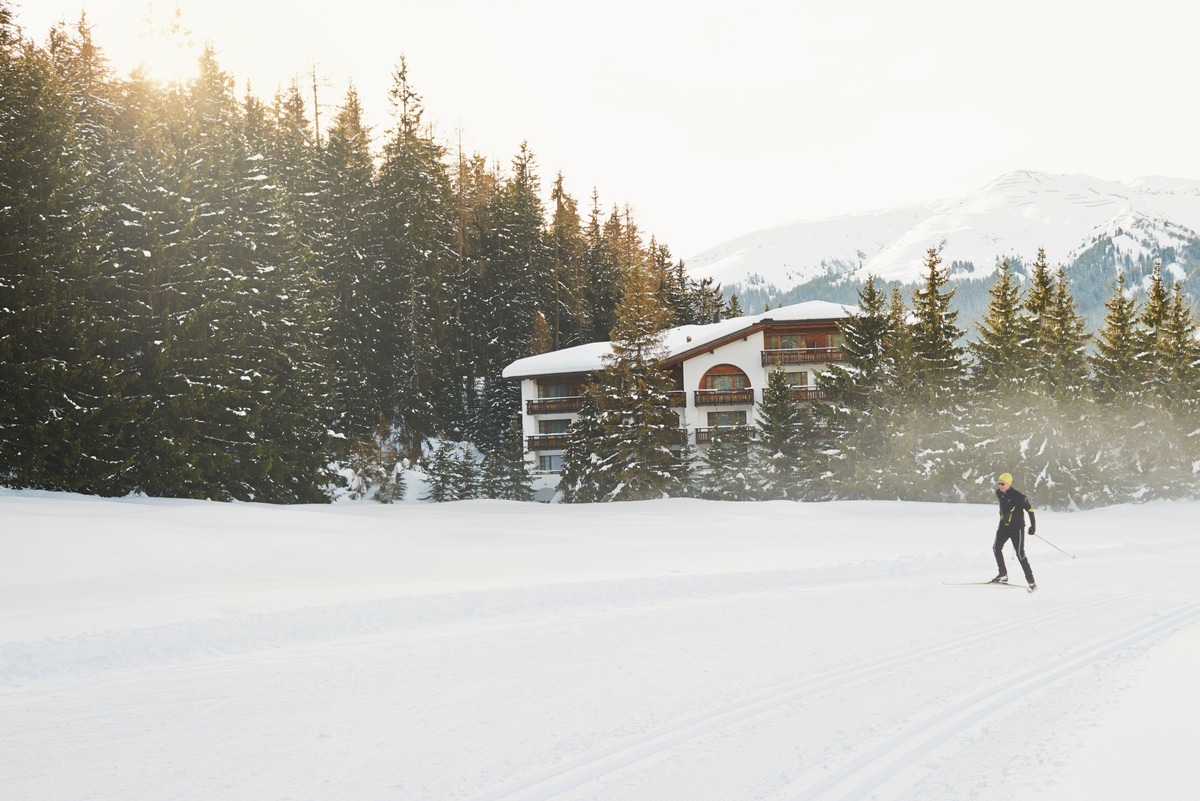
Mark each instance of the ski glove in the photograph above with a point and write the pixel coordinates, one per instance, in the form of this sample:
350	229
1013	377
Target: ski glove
1033	531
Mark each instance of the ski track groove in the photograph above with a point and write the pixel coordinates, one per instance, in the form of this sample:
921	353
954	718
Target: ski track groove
584	769
885	761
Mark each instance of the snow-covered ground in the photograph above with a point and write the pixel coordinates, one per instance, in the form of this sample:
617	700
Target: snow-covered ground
154	649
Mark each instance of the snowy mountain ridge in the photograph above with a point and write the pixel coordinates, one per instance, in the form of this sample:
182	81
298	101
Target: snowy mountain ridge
1013	216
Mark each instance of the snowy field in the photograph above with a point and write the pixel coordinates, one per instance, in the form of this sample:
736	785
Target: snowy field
683	649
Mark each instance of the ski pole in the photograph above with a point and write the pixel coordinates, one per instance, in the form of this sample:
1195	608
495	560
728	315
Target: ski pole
1055	547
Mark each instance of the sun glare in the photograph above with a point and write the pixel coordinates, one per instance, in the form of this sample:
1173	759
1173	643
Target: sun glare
169	53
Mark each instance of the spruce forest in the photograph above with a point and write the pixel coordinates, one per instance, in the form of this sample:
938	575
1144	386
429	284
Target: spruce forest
204	295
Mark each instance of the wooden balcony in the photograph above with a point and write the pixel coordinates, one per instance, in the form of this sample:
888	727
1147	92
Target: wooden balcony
706	436
567	405
558	442
803	394
546	442
723	397
677	398
789	356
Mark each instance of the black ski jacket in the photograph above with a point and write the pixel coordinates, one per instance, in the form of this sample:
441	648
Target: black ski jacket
1013	506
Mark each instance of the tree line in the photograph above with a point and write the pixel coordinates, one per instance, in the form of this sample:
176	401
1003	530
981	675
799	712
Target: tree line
914	414
202	297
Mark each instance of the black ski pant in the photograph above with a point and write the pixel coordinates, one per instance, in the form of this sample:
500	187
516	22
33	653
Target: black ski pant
1017	535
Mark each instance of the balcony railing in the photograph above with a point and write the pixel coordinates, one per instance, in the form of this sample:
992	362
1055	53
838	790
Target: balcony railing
558	442
802	394
566	405
705	436
546	442
677	399
785	356
724	397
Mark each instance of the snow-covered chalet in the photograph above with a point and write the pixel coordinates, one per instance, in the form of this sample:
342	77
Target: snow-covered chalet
719	373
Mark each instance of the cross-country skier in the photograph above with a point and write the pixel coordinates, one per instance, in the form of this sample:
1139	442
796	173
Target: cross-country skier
1013	506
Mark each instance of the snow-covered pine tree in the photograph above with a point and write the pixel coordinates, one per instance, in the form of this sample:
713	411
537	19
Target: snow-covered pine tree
638	421
1181	352
728	474
568	318
1065	344
375	465
440	471
853	390
1115	361
1167	355
939	368
997	348
1068	474
777	451
521	281
413	242
62	381
505	470
464	473
581	479
342	258
1036	321
1166	345
605	272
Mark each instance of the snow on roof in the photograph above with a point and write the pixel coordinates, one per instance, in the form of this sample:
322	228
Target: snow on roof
590	357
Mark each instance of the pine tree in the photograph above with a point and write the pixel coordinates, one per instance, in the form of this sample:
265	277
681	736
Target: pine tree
343	259
1036	322
1115	363
440	471
778	448
853	391
521	282
997	348
728	474
476	188
735	308
1065	345
583	478
938	368
864	337
568	252
505	471
605	277
413	244
637	418
59	425
375	464
1180	352
1165	342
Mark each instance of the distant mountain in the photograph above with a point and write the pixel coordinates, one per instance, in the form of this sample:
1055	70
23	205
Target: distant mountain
1094	228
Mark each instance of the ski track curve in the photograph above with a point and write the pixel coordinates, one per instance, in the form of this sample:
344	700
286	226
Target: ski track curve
578	772
860	777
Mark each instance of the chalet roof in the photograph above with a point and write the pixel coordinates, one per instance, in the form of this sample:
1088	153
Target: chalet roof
680	341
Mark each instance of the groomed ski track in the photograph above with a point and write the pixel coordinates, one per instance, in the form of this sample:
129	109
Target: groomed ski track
866	680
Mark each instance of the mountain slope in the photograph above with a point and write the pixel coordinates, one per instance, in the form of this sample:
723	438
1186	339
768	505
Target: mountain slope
1067	215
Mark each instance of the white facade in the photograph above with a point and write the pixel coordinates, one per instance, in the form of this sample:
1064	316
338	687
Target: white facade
720	371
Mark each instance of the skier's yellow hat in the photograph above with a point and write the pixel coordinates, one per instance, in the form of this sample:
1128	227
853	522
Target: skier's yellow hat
1005	478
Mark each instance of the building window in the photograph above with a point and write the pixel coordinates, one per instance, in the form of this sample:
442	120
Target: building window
553	426
725	383
726	419
550	464
786	341
798	378
725	378
558	390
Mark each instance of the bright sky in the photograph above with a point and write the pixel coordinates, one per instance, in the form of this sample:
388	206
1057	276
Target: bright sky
712	121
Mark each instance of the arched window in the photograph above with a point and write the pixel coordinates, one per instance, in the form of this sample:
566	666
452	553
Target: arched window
725	378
